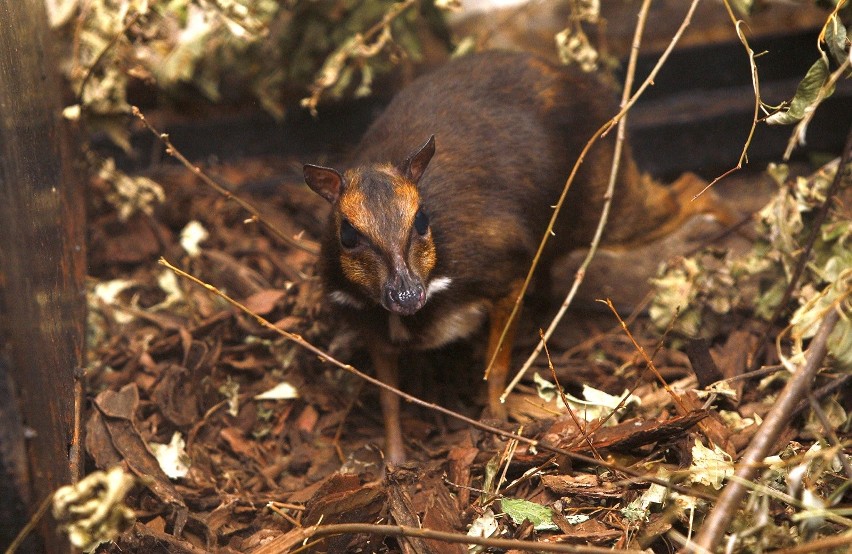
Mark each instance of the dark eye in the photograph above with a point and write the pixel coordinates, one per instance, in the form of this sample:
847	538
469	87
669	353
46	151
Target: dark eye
421	223
349	237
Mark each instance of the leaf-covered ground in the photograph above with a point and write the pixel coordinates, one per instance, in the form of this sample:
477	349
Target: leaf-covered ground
177	373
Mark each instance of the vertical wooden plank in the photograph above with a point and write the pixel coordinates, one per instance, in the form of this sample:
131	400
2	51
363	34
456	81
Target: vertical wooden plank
41	248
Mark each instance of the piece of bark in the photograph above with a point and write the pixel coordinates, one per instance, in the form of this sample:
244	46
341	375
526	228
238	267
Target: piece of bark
702	362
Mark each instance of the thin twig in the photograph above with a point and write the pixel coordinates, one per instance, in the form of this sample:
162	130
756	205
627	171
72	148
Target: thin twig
722	235
506	460
623	324
103	53
648	360
28	528
288	506
278	510
762	372
608	196
716	524
307	246
593	340
820	545
414	400
755	83
454	538
759	488
835	384
527	475
388	18
816	229
585	435
601	132
833	439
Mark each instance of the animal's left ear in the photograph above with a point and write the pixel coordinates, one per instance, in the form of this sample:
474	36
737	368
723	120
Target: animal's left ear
414	165
325	181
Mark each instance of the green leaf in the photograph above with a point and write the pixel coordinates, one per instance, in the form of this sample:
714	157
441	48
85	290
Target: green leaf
835	39
807	94
519	510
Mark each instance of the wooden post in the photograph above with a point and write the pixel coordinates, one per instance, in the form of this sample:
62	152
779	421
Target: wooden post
42	254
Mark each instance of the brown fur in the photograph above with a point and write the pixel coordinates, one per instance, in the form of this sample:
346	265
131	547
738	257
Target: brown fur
508	128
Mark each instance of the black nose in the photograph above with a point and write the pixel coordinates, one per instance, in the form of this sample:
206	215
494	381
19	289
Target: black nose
405	300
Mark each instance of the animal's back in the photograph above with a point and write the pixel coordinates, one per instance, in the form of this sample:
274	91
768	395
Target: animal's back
508	128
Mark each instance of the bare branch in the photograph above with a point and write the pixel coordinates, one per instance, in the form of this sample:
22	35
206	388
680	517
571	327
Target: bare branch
716	524
307	246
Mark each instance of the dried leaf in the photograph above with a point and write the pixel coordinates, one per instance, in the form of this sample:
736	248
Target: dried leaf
281	391
264	302
484	526
710	467
191	237
573	46
92	511
172	457
117	410
595	404
130	195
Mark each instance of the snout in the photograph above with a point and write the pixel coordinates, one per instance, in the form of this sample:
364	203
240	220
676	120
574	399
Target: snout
404	299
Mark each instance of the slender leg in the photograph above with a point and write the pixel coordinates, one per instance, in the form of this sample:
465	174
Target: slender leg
386	364
499	315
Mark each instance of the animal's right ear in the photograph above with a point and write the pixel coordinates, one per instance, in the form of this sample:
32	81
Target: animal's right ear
414	166
324	181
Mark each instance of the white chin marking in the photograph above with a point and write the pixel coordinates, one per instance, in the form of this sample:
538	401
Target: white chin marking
345	299
437	285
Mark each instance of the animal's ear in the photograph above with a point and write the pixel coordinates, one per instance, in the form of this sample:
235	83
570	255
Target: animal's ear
414	165
324	181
